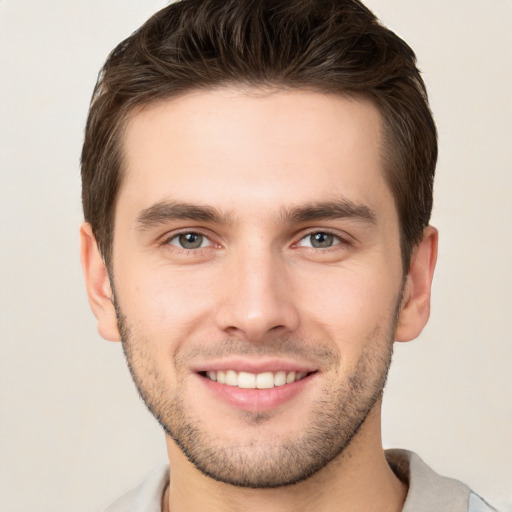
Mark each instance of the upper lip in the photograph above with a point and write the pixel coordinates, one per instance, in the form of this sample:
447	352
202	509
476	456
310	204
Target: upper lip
254	365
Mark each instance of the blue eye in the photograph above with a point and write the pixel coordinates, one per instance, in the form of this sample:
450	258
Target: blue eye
190	240
320	240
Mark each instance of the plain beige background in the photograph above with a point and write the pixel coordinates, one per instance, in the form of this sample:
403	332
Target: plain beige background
73	432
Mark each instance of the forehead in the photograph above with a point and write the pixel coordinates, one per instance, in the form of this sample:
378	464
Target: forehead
244	148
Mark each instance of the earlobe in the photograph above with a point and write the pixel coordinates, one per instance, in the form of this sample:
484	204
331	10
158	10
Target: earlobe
97	283
415	309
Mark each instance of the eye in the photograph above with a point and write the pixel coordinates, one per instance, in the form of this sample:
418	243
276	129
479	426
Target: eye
320	240
190	240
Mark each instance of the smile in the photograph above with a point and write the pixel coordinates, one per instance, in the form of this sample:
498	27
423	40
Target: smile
246	380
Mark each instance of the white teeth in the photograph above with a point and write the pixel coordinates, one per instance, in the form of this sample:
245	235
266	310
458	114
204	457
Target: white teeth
246	380
231	378
280	379
265	380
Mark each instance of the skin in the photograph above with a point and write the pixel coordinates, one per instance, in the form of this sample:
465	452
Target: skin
256	292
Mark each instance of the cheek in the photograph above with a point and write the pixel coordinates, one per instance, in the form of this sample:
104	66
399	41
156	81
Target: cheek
349	305
164	303
161	312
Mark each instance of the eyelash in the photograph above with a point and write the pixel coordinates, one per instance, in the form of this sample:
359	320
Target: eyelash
340	240
167	240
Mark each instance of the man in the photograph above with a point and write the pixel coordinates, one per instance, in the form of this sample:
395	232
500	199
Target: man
257	188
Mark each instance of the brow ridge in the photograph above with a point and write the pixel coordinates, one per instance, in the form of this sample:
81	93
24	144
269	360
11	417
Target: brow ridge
165	211
330	210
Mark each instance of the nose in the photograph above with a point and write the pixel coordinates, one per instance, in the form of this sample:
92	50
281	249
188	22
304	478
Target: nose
258	297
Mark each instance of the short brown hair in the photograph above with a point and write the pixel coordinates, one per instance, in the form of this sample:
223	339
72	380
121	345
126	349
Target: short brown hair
331	46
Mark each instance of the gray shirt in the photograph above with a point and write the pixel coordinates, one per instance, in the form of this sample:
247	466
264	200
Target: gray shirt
428	491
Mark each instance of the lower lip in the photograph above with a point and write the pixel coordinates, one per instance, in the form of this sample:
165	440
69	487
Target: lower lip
257	399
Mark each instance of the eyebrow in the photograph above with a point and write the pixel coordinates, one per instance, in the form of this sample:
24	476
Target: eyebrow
330	210
166	211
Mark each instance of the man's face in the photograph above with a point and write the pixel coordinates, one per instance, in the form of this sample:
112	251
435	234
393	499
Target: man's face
257	273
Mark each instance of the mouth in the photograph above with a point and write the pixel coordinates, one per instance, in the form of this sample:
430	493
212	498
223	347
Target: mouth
247	380
262	389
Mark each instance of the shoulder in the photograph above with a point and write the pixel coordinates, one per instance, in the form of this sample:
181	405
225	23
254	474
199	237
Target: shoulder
430	491
147	497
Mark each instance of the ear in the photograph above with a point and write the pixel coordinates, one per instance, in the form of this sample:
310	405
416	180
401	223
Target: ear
415	309
97	283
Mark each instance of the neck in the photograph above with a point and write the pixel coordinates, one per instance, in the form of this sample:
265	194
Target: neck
358	480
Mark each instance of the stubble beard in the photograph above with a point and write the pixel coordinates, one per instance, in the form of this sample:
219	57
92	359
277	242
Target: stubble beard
332	423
